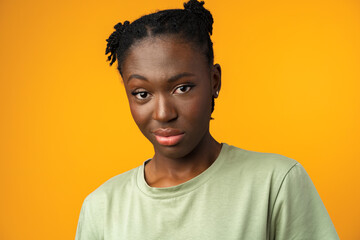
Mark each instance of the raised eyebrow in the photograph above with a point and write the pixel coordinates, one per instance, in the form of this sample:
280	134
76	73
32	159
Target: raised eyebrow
178	76
170	80
137	76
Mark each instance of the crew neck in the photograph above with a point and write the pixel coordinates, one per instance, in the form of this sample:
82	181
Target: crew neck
185	187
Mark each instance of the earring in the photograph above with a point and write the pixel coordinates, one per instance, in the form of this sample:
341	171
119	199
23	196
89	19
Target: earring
217	93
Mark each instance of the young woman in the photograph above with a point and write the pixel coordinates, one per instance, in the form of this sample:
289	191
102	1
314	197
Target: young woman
193	187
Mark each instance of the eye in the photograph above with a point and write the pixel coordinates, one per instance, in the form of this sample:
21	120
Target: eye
183	89
141	95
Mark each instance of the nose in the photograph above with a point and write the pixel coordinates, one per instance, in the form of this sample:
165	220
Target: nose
164	109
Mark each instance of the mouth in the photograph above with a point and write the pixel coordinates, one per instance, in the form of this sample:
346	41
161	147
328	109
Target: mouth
168	136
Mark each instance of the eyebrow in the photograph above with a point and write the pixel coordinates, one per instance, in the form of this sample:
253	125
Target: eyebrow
170	80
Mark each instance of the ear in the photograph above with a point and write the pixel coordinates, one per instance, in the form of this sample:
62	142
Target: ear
216	80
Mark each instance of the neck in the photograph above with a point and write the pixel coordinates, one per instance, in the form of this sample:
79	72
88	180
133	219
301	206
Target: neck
166	172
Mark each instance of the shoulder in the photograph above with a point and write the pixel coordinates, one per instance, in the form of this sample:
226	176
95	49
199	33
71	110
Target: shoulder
258	162
112	188
263	172
92	214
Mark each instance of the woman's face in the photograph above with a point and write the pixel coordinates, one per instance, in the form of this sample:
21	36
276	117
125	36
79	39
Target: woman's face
170	86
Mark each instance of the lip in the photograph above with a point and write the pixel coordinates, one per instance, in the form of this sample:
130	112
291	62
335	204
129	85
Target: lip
168	136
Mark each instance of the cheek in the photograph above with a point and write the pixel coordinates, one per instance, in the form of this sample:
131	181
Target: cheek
199	109
139	115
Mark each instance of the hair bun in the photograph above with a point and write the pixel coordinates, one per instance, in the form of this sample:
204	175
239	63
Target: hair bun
121	27
194	5
114	39
198	9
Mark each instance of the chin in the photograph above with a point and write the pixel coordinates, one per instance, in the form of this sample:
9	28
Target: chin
178	151
173	152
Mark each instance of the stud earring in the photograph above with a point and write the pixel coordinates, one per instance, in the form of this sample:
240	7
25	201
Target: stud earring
217	93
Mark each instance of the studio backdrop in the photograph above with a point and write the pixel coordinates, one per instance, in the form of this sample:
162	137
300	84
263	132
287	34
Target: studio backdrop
290	85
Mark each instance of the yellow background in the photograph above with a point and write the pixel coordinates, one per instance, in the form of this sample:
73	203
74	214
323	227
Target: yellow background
290	86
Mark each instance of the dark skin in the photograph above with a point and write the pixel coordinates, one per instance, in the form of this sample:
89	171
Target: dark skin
170	85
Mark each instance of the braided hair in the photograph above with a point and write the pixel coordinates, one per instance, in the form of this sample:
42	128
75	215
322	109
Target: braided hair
193	24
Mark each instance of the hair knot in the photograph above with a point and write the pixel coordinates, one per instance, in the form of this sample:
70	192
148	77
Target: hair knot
114	39
194	6
121	27
197	8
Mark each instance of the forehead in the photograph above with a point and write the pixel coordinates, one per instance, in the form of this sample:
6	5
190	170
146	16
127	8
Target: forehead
163	55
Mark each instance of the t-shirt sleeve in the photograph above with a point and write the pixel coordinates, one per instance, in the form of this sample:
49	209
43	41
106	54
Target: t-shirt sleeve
298	211
89	224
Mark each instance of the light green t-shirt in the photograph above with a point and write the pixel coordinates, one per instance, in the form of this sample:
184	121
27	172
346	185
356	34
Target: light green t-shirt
242	195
